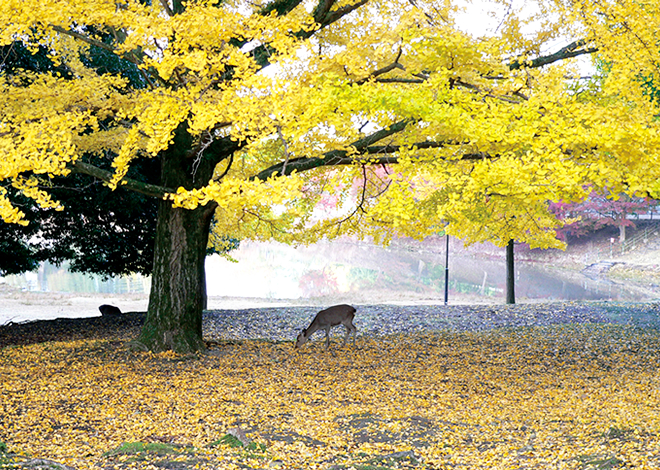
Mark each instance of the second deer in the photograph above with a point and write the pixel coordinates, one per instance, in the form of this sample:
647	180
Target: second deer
326	319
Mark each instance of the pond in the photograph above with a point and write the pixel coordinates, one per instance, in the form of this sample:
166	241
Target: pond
363	273
357	272
537	282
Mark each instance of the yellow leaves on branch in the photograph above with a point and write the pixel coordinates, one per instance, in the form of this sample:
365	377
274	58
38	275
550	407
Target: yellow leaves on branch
127	153
8	212
508	141
29	188
236	192
273	209
627	34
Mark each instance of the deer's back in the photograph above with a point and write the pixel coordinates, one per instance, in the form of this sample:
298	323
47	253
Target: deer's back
335	315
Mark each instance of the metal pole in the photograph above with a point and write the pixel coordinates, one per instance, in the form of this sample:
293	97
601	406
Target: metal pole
447	269
510	275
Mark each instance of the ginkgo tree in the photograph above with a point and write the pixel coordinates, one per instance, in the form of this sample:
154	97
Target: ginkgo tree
257	110
97	231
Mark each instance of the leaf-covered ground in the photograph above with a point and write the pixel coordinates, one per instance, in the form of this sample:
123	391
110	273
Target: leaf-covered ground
579	391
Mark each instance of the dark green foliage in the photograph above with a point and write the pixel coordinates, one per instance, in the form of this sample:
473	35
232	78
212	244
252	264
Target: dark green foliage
105	62
651	87
18	255
15	57
100	231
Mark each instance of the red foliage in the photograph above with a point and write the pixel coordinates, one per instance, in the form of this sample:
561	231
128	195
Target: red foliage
598	211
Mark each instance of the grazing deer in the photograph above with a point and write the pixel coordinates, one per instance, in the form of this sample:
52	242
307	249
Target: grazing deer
326	319
109	310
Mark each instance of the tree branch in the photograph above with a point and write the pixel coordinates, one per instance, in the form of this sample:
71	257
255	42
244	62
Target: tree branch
572	50
218	149
95	42
147	189
342	158
399	80
82	37
337	14
363	148
322	9
322	15
384	70
166	7
333	157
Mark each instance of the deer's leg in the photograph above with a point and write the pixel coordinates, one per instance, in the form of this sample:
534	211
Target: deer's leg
348	333
327	338
350	328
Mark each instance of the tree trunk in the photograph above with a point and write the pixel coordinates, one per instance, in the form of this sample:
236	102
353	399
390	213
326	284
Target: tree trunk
510	275
178	281
178	285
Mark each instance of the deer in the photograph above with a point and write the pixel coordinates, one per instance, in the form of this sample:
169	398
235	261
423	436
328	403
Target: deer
109	310
326	319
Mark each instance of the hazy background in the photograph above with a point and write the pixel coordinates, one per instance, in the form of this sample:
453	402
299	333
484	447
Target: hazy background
358	272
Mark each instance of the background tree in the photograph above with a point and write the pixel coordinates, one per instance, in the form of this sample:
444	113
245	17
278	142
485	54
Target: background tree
598	211
255	111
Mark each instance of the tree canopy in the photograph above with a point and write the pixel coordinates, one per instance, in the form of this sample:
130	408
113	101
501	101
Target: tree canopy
483	130
98	232
257	110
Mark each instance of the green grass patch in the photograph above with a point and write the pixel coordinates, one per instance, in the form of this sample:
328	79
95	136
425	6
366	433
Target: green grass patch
232	441
5	459
592	462
134	448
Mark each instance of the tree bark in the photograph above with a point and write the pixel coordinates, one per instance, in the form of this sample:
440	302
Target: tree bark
178	287
510	275
178	281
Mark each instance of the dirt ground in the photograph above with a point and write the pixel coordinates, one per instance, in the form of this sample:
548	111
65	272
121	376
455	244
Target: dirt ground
527	386
19	306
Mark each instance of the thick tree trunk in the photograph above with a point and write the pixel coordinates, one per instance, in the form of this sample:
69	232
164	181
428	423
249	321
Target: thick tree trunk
510	275
178	286
178	281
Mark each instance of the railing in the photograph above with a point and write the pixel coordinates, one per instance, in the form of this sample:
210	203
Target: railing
640	238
